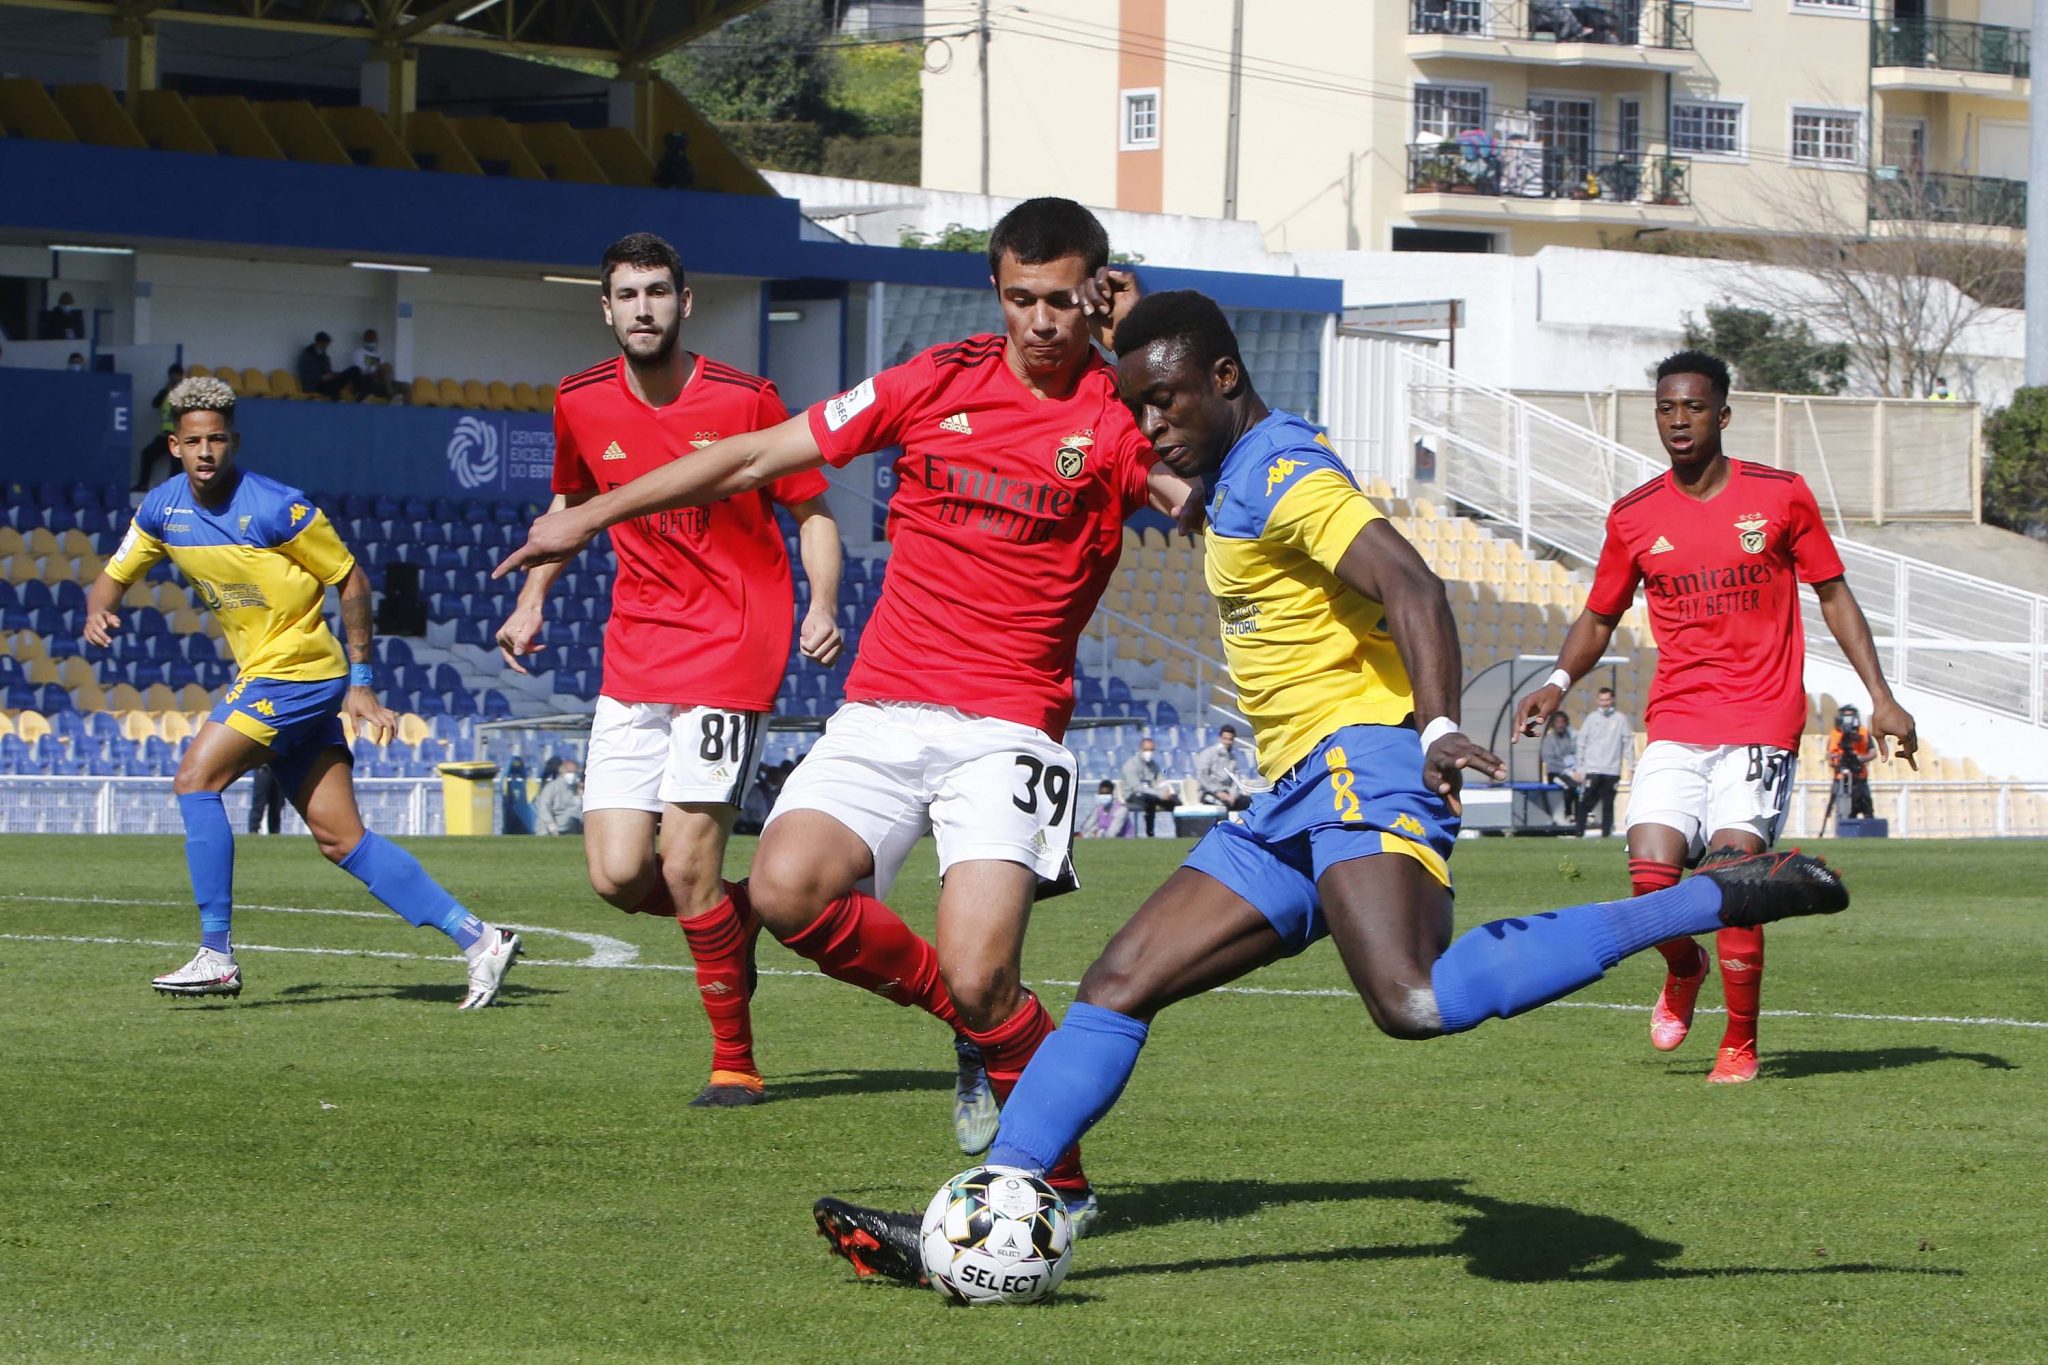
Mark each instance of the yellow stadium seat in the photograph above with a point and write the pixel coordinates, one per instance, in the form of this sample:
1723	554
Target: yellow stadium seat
435	146
137	725
159	697
547	398
74	544
42	542
197	371
193	697
412	729
500	394
97	117
31	726
138	594
27	111
76	672
41	672
368	139
624	161
26	645
122	697
497	149
209	625
169	598
474	394
88	698
233	127
301	133
55	569
174	725
451	393
285	384
187	621
255	384
525	398
11	541
167	125
560	154
21	568
6	722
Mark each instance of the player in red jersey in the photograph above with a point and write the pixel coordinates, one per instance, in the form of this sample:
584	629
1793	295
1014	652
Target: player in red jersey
698	636
1720	547
1020	467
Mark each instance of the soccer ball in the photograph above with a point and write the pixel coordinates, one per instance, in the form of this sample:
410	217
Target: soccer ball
996	1234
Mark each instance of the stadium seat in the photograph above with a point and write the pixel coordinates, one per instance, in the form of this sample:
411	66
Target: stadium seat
26	110
451	394
284	384
497	149
254	384
97	116
622	159
435	146
474	394
500	395
496	706
301	133
233	126
167	125
547	398
368	139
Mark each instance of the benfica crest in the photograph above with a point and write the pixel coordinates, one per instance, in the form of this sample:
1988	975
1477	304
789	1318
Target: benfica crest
1751	528
1072	455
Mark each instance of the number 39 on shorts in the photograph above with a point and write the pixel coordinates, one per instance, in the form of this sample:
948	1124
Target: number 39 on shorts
1056	780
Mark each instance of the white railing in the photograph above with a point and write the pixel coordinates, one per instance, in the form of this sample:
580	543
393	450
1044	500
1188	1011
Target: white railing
1979	642
144	805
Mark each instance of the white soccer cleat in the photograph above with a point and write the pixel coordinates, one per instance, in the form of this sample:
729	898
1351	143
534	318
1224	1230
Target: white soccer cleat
489	960
209	973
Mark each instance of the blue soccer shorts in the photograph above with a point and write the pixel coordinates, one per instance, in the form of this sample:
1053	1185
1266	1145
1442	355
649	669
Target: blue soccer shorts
296	721
1359	794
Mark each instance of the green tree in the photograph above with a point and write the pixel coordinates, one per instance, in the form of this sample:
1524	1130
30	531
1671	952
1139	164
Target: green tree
2016	468
763	67
1769	356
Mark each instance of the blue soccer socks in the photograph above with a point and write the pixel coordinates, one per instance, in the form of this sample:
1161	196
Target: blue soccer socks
1510	966
1072	1080
210	855
396	878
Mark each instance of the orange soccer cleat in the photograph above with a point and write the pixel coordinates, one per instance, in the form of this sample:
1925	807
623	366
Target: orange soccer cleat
1671	1016
1733	1066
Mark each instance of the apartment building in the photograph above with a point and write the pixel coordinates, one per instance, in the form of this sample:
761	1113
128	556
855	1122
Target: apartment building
1496	125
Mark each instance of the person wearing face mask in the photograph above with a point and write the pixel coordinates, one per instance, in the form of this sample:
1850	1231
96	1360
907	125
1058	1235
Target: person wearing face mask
76	363
1108	819
1605	740
559	808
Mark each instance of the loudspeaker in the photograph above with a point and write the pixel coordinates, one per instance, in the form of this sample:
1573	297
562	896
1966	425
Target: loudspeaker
401	610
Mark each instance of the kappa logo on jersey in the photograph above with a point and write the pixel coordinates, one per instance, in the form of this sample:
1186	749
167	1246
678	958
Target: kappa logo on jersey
1411	827
612	452
704	438
1279	472
957	422
263	706
1072	455
1752	529
299	510
849	405
1662	547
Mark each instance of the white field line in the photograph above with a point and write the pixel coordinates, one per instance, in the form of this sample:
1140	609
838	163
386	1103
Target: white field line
606	956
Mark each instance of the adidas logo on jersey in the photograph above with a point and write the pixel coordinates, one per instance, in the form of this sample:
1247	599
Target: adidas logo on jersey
612	452
957	422
1662	547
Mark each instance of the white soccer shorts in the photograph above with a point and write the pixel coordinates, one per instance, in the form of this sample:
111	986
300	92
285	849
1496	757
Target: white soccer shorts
646	755
988	789
1700	790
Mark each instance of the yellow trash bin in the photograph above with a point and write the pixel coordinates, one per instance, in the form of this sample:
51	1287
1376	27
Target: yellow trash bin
468	796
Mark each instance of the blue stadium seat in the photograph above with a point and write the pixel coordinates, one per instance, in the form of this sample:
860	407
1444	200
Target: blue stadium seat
429	704
60	519
143	673
102	725
178	673
53	699
393	652
20	697
92	521
496	706
473	631
447	678
36	596
1165	714
49	751
148	621
397	699
1117	692
461	703
10	596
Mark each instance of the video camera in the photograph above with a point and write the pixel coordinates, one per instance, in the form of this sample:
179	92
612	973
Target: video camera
1848	761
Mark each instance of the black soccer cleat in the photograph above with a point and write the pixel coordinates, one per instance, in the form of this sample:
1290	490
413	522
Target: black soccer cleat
1761	888
876	1241
730	1090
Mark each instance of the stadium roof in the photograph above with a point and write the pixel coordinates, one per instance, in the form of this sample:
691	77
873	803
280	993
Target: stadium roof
626	32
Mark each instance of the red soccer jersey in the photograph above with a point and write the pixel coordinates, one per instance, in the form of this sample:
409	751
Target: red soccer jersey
702	604
1722	579
1005	527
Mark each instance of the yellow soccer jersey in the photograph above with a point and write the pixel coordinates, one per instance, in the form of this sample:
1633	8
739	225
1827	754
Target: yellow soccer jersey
1306	653
262	564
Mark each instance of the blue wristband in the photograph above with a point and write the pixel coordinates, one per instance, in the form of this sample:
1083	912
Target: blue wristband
362	675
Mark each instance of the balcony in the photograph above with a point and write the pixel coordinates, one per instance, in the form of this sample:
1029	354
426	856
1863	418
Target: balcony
1965	201
1473	177
1630	35
1950	56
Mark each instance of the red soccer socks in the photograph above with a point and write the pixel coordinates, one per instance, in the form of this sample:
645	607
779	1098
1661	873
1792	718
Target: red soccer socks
862	941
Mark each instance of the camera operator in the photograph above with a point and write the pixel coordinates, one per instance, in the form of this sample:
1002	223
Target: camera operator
1849	760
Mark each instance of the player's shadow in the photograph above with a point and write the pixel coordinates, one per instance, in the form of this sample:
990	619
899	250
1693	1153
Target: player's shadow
1499	1239
1824	1062
510	996
813	1085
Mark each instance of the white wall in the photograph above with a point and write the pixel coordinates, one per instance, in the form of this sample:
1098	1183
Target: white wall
259	313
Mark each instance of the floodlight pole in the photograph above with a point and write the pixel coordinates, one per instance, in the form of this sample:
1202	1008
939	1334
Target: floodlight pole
2037	224
981	62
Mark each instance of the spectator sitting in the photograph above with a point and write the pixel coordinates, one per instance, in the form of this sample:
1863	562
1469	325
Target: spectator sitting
1109	819
317	374
374	369
559	807
75	362
1218	778
1941	392
1560	757
63	322
1146	790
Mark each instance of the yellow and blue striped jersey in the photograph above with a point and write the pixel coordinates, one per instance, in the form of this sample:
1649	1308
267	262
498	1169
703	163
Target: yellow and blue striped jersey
262	564
1307	654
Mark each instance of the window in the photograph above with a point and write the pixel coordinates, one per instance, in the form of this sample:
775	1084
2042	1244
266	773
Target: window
1447	110
1706	128
1854	9
1628	126
1140	130
1564	125
1905	144
1830	136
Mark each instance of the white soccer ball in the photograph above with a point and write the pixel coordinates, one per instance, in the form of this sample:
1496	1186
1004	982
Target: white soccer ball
996	1234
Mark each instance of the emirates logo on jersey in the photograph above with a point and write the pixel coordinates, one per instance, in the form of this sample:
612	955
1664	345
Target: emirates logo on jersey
1072	454
1751	528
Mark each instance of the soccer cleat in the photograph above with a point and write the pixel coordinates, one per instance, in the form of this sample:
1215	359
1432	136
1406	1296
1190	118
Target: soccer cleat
730	1090
1671	1016
208	973
975	1113
875	1241
1762	888
488	963
1733	1066
1083	1213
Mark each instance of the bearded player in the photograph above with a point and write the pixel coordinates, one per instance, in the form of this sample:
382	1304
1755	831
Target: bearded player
1720	547
698	635
1344	653
262	556
1020	467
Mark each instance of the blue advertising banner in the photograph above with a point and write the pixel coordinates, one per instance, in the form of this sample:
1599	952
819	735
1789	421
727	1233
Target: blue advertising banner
67	427
399	451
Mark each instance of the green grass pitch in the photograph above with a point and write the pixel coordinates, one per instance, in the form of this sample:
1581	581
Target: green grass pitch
341	1166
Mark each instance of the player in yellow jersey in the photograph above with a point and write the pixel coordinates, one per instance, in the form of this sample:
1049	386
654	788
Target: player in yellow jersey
262	556
1345	656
